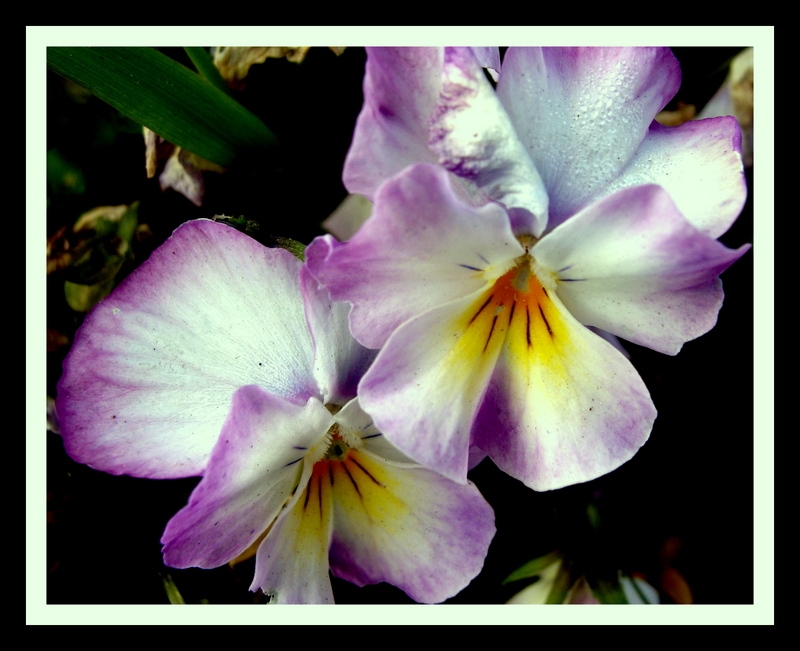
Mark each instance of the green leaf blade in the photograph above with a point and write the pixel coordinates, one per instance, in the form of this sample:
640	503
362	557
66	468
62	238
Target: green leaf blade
169	99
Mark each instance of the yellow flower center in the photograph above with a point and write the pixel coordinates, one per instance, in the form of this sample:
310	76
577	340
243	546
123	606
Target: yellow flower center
517	311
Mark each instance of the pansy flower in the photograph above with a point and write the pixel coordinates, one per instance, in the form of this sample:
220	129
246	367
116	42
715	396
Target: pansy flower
505	223
222	358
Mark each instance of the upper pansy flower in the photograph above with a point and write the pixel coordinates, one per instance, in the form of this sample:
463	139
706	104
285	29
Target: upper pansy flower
565	127
477	282
222	358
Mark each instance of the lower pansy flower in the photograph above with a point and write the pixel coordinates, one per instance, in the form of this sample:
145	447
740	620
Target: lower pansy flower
222	358
483	332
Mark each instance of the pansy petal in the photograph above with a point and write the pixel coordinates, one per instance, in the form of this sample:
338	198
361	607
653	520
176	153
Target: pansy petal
631	264
476	455
700	164
210	311
583	112
292	561
612	339
401	86
348	217
563	406
474	139
339	360
421	248
489	58
253	470
356	420
537	592
428	381
407	526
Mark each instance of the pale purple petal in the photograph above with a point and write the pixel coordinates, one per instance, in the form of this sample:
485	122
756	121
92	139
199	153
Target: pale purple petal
583	112
563	406
631	264
353	418
252	472
339	360
700	164
409	527
612	339
474	138
401	87
489	58
421	248
148	383
427	383
292	561
476	455
348	217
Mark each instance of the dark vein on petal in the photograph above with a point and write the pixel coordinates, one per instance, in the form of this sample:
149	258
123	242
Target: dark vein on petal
355	485
511	315
528	327
466	266
371	436
491	330
366	472
549	331
480	310
291	463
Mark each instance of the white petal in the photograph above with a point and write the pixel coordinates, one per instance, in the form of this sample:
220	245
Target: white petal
148	383
632	265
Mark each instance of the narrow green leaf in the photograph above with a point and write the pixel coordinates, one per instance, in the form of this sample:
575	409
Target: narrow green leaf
563	582
169	99
173	594
205	66
534	567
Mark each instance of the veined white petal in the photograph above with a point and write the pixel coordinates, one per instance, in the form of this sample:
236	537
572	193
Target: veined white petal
583	112
632	265
700	164
148	383
421	248
475	139
408	526
354	419
253	471
563	406
427	383
292	561
339	360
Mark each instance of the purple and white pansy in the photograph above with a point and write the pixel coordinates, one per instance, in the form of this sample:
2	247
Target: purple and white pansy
332	408
222	358
507	221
